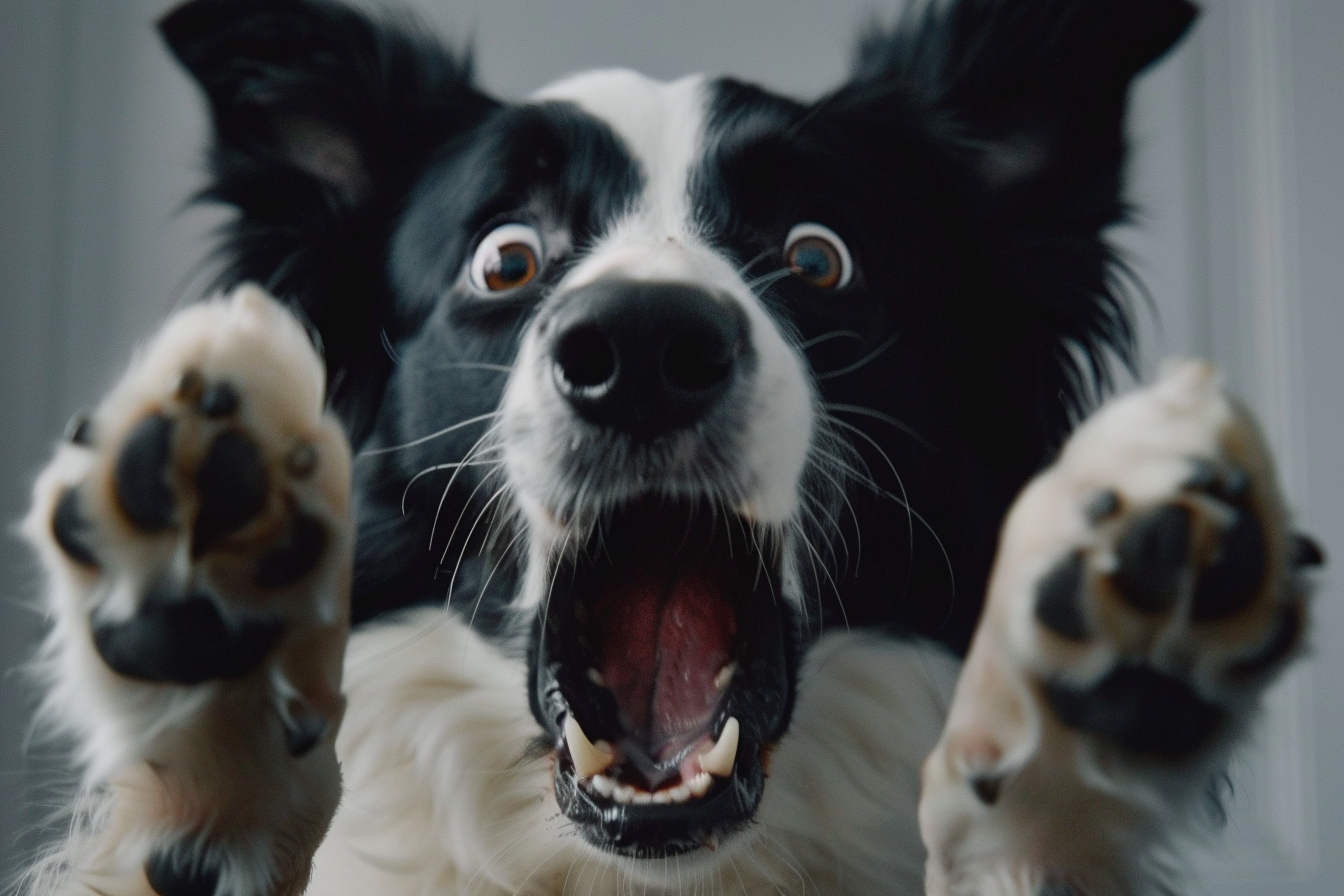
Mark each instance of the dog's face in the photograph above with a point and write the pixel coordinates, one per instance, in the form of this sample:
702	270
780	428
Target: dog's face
670	376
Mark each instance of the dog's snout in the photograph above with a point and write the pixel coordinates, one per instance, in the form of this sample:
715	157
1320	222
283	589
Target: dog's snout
646	357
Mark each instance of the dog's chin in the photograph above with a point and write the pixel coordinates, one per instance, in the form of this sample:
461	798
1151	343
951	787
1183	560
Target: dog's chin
664	664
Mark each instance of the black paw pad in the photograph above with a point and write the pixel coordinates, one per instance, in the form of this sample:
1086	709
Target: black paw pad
295	558
73	533
1153	555
1281	642
232	485
1058	599
1104	504
1139	709
185	640
987	789
171	873
143	490
1229	584
218	401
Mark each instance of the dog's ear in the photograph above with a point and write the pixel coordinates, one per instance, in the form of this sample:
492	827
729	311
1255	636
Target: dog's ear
323	121
1012	114
1032	92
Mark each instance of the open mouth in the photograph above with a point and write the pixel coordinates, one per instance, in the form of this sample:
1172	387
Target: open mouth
664	670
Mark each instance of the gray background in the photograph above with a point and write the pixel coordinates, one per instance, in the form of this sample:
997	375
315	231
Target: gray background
1238	175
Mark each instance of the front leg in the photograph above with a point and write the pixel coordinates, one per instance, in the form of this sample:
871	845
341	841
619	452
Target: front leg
195	535
1148	588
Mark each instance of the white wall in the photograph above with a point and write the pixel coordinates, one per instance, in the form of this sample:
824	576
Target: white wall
1238	176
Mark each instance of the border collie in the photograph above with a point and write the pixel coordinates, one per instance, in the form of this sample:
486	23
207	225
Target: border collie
687	425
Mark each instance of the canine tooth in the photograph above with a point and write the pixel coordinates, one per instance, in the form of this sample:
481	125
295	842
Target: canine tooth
596	678
623	793
719	759
725	675
699	785
642	798
589	758
679	794
603	785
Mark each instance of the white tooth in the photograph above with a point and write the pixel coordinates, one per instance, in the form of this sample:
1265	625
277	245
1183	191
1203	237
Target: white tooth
680	794
623	793
699	785
596	678
589	758
662	797
603	785
719	759
642	798
725	675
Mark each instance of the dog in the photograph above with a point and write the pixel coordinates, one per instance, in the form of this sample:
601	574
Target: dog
659	441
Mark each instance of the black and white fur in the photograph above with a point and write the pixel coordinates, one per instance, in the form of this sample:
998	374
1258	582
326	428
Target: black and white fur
865	435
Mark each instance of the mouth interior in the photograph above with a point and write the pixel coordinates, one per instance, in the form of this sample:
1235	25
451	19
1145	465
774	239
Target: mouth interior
665	673
665	636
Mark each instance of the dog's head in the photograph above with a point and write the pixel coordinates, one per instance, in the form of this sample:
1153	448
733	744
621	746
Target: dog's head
670	376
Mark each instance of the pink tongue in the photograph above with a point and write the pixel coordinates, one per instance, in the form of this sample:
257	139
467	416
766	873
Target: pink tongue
665	634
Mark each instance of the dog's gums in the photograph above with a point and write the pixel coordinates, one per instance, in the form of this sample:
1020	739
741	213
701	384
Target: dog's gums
664	663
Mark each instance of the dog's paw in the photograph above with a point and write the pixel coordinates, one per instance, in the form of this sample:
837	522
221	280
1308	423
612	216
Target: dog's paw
195	530
1147	588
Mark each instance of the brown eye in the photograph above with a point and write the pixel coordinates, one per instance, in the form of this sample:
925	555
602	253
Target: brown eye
817	256
506	259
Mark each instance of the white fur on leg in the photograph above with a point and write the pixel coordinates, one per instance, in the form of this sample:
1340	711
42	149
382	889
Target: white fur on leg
204	766
1013	799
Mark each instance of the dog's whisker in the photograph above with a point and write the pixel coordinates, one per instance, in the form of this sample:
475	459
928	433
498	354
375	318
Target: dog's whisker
387	346
437	467
765	280
885	418
477	445
826	337
862	362
371	452
758	257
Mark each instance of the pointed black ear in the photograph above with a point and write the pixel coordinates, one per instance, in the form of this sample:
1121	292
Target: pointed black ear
1031	92
323	122
1005	120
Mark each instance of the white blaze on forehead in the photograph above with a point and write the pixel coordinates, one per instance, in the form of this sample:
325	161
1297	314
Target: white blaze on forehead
661	125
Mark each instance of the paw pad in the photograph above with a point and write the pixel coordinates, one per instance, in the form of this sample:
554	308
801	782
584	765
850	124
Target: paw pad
171	873
184	639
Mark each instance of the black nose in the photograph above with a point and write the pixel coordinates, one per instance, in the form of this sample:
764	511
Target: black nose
646	358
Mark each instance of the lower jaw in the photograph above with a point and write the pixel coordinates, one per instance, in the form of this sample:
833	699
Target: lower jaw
645	832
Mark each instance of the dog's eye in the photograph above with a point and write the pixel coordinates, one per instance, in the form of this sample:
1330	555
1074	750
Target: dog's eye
817	256
506	259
